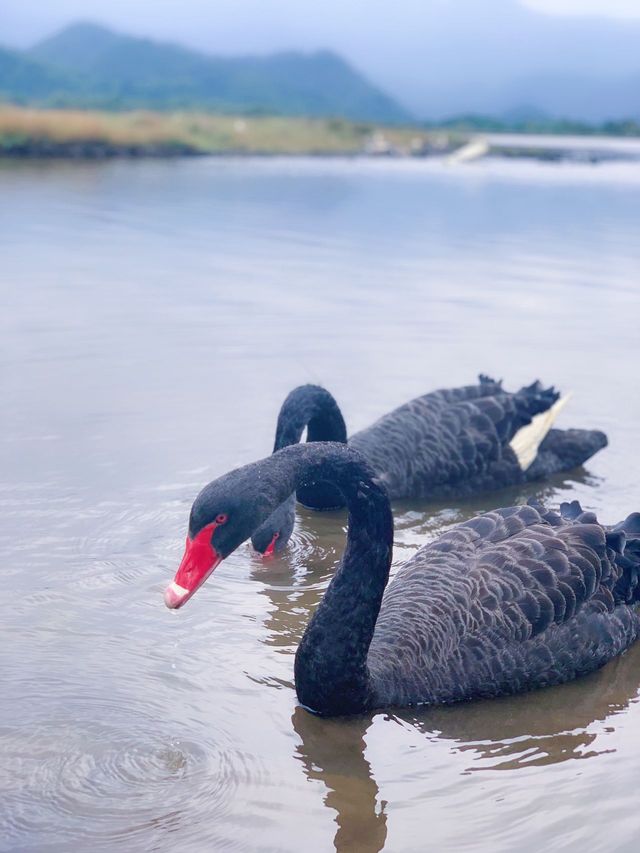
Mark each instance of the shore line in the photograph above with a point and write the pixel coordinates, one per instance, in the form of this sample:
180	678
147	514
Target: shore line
34	134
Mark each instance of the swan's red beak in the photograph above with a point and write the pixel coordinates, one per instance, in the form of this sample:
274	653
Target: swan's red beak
199	560
268	551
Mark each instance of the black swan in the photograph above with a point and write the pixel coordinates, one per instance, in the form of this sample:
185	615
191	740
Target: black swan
450	443
511	600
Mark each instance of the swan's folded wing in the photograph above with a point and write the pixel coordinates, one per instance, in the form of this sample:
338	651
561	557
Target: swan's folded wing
433	447
534	572
510	600
427	443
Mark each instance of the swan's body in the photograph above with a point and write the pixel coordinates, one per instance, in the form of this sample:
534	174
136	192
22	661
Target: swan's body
450	443
512	600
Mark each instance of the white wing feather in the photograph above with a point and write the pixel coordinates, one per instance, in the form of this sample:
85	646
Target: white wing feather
526	441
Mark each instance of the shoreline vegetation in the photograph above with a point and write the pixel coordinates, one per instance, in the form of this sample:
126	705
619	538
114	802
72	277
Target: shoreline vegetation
85	134
27	132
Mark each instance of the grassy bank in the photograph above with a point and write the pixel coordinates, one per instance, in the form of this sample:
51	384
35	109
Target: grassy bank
27	132
31	133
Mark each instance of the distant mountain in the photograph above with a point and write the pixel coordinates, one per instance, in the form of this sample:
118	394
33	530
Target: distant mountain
586	97
495	56
89	65
23	79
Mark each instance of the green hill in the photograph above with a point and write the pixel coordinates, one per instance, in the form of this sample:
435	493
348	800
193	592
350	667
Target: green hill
23	80
86	65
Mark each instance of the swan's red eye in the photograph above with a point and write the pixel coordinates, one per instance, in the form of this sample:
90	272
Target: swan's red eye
222	518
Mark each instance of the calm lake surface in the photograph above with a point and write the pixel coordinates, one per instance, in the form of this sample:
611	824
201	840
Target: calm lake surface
153	316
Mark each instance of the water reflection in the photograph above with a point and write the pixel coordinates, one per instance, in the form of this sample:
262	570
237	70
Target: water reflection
432	518
332	751
295	581
572	721
124	727
545	727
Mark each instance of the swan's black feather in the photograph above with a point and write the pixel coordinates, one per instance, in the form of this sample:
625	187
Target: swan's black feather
450	443
511	600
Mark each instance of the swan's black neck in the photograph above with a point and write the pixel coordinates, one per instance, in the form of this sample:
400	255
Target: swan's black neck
313	407
331	662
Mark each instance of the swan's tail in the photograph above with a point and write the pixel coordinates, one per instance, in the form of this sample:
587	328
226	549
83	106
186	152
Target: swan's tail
564	449
628	586
630	526
626	536
535	398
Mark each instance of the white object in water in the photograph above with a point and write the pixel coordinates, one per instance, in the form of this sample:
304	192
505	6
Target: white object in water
472	150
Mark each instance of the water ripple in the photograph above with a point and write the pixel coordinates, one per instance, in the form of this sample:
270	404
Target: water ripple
103	767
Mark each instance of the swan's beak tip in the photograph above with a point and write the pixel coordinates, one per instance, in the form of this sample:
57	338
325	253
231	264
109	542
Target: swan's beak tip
175	596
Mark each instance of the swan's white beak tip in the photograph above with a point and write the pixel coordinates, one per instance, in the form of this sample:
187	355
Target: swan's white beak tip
175	596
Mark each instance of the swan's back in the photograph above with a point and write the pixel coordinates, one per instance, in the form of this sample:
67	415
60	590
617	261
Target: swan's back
452	442
508	601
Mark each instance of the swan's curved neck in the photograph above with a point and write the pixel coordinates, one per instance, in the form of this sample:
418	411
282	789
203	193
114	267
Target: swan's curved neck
332	676
331	662
313	407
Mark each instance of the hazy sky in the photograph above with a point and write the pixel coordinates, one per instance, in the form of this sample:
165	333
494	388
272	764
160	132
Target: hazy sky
261	25
608	8
409	47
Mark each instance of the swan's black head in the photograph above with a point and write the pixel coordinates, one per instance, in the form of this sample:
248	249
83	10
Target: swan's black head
273	534
223	516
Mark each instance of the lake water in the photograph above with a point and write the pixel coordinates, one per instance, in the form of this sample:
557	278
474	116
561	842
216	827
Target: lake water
153	315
